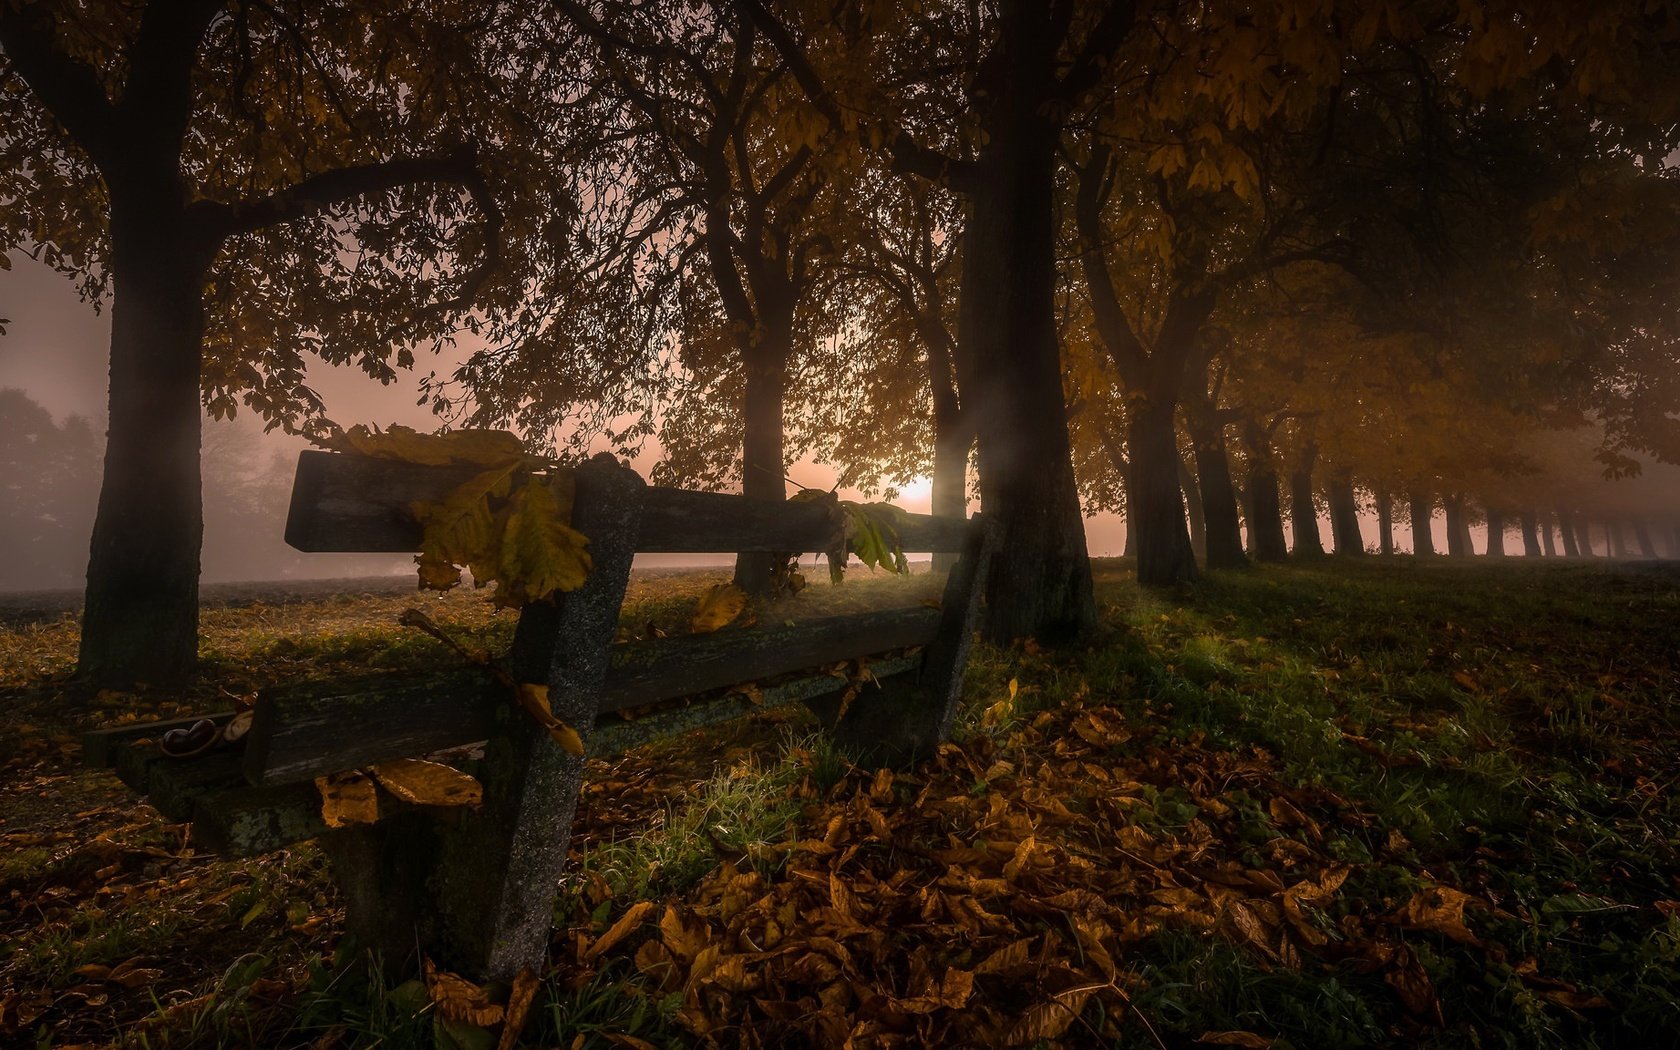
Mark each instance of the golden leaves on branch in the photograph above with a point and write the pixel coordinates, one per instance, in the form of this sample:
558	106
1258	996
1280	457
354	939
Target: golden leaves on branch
507	525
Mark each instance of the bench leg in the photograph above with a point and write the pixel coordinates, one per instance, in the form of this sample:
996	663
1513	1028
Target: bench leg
489	878
907	717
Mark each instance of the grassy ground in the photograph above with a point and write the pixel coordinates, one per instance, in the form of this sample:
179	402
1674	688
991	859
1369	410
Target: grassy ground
1326	805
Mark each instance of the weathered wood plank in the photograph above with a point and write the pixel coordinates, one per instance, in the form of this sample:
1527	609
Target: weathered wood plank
613	734
358	503
645	672
311	729
99	746
245	821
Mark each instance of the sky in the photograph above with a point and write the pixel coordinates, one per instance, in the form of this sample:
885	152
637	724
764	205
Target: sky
56	350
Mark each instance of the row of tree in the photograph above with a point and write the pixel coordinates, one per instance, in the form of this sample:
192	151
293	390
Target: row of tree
1099	244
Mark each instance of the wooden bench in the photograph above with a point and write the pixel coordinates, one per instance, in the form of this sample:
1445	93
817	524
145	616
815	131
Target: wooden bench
473	889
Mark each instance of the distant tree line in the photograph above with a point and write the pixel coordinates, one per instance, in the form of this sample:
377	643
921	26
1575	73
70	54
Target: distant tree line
1210	265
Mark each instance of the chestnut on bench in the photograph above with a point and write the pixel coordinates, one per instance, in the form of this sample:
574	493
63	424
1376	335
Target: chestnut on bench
474	889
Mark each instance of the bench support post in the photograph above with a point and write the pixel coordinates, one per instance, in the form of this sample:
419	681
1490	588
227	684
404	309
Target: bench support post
904	720
490	876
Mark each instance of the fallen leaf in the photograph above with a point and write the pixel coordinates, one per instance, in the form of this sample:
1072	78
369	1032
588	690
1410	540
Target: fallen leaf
718	607
423	783
1251	1040
524	993
619	930
347	798
459	999
1439	909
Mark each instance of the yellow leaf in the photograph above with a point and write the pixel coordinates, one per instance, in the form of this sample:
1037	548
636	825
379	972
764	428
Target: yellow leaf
539	554
347	798
425	783
1250	1040
567	738
718	607
456	447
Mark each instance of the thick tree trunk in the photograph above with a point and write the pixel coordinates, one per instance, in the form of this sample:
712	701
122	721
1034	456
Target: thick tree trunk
1642	536
1674	541
1193	509
1546	540
1344	518
1566	533
763	459
1385	522
1154	504
1266	538
1458	532
1219	507
140	624
1496	533
1615	538
1531	534
1009	358
1583	537
1303	513
1423	538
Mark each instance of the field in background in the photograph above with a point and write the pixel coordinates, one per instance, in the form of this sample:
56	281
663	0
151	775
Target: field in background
1336	804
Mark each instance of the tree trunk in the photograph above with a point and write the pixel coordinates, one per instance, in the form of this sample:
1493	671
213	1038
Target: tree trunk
1458	533
1496	533
763	459
140	624
1674	541
1642	535
1583	536
1615	538
1566	533
1265	500
1531	534
952	437
1193	507
1344	518
1303	514
1154	505
1219	507
1422	510
1009	358
1385	522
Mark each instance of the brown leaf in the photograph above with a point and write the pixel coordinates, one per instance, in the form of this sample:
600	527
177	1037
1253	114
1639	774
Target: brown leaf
1412	984
423	783
619	930
1050	1019
347	798
524	993
458	999
1251	1040
1102	727
534	699
1439	909
1007	957
718	607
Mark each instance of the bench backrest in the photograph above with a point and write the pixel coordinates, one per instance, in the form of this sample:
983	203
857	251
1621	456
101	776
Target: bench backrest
354	503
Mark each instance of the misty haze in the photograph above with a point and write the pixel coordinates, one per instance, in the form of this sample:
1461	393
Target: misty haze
767	523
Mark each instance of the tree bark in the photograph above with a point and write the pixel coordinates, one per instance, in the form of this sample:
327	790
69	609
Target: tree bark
1615	538
1642	536
1458	532
1385	522
1154	504
1266	538
1193	508
1495	533
1009	358
1344	518
1531	534
1219	507
1303	514
763	459
140	621
1566	533
952	438
1423	538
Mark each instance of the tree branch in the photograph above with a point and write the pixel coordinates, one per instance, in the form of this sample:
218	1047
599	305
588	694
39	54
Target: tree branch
68	88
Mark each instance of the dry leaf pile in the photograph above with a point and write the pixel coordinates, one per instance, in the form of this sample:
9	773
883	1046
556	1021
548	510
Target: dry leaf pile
993	895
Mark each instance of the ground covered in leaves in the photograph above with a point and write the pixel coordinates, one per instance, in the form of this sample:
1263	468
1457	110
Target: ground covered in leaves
1329	805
